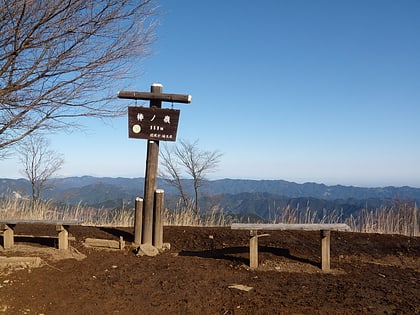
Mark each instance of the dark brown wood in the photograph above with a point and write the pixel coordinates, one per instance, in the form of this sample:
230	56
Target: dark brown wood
151	96
153	123
155	133
150	178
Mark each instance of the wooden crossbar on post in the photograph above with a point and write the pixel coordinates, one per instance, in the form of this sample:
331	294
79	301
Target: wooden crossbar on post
156	97
162	97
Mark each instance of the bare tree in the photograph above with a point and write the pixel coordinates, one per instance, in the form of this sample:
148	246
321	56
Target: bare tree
188	159
171	172
59	60
39	162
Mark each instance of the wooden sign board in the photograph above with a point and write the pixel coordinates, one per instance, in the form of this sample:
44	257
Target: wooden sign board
153	123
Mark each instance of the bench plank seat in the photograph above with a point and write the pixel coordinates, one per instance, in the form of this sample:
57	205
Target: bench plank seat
7	226
34	221
291	227
325	235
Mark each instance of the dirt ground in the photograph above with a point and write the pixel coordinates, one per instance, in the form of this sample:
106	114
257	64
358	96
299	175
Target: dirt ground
206	272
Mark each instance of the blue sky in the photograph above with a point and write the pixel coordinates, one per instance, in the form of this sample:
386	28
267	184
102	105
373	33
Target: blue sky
306	91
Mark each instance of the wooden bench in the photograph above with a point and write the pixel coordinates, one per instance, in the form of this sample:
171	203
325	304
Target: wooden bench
325	230
7	226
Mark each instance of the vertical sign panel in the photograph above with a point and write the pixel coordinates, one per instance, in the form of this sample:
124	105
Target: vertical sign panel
153	123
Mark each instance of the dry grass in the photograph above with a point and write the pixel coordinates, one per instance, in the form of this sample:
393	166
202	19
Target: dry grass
398	219
295	215
188	217
16	208
402	218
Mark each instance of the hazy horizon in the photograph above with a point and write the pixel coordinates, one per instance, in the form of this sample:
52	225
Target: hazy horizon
305	91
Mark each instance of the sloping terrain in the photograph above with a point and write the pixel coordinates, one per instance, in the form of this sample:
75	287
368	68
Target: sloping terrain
205	272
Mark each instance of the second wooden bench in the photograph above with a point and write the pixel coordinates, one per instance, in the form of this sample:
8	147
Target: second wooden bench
7	226
325	232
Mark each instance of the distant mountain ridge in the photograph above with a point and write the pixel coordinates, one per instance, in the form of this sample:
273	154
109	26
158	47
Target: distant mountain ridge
258	197
322	191
134	186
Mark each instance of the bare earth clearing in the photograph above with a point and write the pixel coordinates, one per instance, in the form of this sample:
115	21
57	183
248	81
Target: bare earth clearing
372	274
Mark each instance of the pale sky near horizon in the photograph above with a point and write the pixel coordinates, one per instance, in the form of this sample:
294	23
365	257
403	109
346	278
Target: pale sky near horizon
306	91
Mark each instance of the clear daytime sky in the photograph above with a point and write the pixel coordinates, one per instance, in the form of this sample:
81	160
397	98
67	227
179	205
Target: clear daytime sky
305	91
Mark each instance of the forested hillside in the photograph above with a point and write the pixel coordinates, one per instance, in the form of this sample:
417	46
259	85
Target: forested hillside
260	198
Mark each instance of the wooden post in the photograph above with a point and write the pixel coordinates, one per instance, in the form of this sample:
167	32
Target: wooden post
158	218
138	220
325	250
63	237
253	249
151	176
156	97
8	235
415	224
121	243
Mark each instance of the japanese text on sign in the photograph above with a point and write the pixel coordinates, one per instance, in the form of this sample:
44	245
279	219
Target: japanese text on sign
153	123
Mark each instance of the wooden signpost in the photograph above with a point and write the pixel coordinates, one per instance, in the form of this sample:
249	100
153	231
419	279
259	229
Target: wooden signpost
154	124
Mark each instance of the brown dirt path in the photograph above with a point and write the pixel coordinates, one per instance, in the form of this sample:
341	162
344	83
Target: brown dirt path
372	274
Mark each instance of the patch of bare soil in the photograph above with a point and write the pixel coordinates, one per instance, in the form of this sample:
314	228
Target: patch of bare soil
206	272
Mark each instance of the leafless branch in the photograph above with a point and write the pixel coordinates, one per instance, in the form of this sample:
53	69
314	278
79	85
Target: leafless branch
39	163
59	59
193	161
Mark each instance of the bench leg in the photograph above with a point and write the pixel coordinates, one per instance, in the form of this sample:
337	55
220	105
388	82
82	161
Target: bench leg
253	249
8	236
63	237
325	250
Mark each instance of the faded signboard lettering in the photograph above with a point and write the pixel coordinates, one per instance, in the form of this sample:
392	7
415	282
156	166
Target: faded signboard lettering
153	123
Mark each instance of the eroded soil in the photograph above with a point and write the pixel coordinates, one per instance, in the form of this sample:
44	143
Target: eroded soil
371	274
